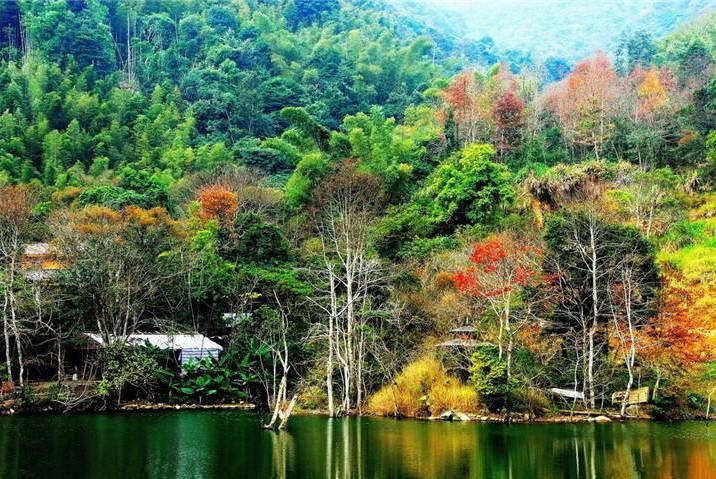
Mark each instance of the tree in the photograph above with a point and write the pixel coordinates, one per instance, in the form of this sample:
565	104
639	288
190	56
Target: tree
490	375
508	114
501	268
468	188
461	97
16	203
218	202
652	103
631	304
252	239
676	339
112	197
584	103
308	173
588	257
349	275
146	184
120	267
302	12
75	31
634	50
649	198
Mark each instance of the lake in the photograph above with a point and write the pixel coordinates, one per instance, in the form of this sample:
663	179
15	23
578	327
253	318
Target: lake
230	444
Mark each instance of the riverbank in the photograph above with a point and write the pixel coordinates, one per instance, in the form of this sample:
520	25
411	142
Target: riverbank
14	407
603	416
11	407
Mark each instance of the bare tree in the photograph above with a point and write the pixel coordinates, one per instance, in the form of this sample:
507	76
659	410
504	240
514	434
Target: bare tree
16	204
350	274
630	306
118	266
275	339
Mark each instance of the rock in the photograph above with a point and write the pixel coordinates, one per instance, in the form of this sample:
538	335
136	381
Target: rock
632	411
602	419
461	416
446	416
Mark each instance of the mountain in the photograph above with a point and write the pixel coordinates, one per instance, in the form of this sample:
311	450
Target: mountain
561	28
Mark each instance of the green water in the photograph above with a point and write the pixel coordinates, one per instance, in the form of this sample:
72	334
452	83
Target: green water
222	444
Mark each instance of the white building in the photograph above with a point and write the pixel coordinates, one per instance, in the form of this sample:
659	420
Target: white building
188	346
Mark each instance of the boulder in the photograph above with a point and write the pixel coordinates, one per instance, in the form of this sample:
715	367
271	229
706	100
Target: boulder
446	416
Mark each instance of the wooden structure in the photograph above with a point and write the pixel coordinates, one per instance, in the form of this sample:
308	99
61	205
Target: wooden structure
187	346
463	337
39	261
636	396
567	393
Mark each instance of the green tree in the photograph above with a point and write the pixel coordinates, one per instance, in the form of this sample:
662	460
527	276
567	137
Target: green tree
469	188
488	374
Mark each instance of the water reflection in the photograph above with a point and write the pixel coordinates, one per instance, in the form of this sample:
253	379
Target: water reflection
368	448
230	444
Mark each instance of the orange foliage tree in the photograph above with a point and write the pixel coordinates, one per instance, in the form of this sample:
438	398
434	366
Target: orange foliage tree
584	103
680	339
218	202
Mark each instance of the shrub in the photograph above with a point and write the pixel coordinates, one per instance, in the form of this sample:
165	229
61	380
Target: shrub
488	374
125	366
423	388
112	197
215	380
674	403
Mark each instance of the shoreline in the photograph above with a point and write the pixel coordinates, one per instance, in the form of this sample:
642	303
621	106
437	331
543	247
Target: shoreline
595	417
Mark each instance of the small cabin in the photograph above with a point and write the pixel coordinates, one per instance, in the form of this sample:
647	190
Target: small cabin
39	261
186	346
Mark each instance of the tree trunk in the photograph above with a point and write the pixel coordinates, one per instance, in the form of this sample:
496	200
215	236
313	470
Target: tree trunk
277	404
595	310
508	330
287	413
6	335
331	343
656	385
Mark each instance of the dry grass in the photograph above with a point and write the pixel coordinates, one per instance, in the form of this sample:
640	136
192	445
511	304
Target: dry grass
423	388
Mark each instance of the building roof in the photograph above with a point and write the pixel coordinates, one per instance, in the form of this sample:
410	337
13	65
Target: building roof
37	249
37	274
464	329
167	341
464	343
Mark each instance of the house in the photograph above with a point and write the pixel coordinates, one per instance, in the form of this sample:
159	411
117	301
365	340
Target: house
186	346
39	261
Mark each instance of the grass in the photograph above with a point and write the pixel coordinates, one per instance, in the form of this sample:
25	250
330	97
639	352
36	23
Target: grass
423	388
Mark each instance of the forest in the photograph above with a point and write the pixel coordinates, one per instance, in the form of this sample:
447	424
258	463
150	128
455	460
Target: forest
369	216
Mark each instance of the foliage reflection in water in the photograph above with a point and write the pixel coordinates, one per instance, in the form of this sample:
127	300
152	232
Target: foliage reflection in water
230	444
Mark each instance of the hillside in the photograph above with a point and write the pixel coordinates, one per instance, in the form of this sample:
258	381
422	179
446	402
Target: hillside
359	209
558	28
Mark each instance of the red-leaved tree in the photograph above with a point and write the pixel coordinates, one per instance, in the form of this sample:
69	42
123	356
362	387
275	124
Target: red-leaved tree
507	113
501	268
